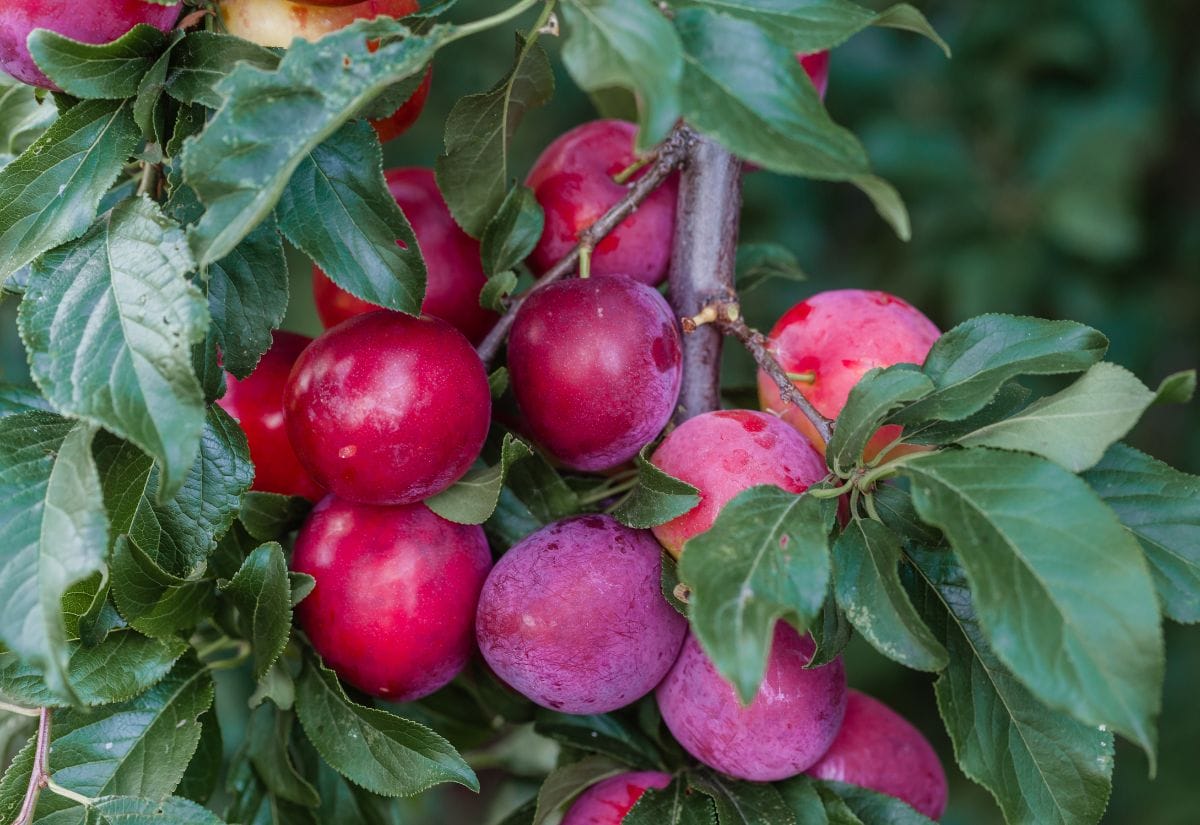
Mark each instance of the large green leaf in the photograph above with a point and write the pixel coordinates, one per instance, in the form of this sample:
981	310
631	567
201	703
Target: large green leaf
765	558
53	533
657	498
744	803
568	781
631	45
109	320
152	600
337	209
867	584
473	498
750	94
1075	426
605	734
473	171
126	810
23	117
203	59
673	805
1161	506
971	362
381	752
870	400
107	70
512	233
203	773
1043	767
1061	589
267	738
262	594
270	121
49	195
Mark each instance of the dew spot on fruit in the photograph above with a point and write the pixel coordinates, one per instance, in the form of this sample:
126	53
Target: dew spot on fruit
348	451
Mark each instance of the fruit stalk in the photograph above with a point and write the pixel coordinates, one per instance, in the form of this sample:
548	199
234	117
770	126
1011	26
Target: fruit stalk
702	265
670	154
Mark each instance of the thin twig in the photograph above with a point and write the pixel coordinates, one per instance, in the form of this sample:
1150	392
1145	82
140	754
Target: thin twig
41	770
149	177
671	154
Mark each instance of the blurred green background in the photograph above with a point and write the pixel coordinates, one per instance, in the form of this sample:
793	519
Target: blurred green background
1051	168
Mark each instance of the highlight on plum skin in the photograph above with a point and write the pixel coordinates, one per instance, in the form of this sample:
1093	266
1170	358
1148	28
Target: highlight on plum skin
791	722
879	749
454	272
573	616
723	453
393	609
596	365
831	340
388	408
88	22
573	181
256	403
607	802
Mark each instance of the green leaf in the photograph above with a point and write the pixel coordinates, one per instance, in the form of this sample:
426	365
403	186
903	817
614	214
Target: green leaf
473	171
815	25
253	804
871	400
765	558
271	121
569	781
53	533
15	398
125	810
750	94
270	516
120	667
971	362
497	383
631	45
670	583
1177	388
1075	426
831	632
607	735
539	486
106	71
511	522
513	231
673	805
744	803
1009	399
267	737
375	749
867	583
1161	507
656	499
109	320
22	118
497	289
337	209
149	111
1060	587
203	773
203	59
153	601
758	263
262	593
1041	765
49	195
473	498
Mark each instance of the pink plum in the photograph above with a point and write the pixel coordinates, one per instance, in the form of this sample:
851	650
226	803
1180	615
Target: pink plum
607	802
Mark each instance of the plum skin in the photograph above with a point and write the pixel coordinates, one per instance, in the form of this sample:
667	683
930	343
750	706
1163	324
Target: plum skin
723	453
839	336
879	749
573	181
816	66
791	722
607	802
256	403
388	408
596	366
573	616
393	609
454	270
89	22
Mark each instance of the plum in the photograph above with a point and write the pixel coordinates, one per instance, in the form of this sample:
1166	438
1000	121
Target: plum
455	272
723	453
596	365
256	403
573	181
96	21
388	408
573	616
393	608
816	64
879	749
833	339
791	722
607	802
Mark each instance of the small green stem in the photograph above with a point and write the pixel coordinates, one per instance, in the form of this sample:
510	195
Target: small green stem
883	453
7	708
832	492
803	377
855	495
67	793
622	177
890	469
585	261
869	501
468	29
608	491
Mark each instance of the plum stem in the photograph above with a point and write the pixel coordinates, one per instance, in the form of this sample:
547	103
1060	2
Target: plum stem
668	157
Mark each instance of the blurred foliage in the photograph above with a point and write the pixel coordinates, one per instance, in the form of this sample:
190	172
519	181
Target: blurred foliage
1050	168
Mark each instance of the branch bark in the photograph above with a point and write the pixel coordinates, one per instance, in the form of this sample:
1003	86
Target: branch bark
702	265
667	158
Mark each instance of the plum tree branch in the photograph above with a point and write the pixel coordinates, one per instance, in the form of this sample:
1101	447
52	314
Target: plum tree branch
668	157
